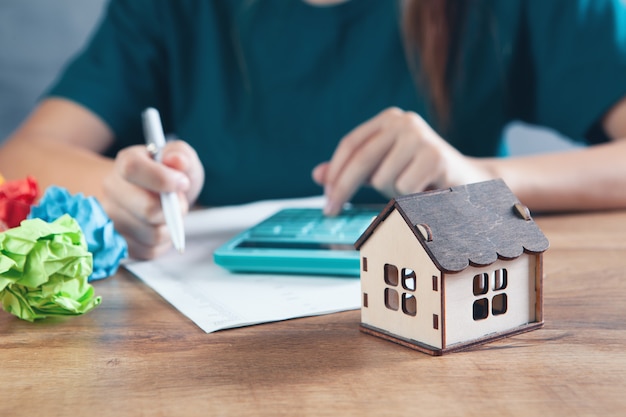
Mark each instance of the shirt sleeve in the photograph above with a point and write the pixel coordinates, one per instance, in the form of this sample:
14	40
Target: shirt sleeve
578	50
118	72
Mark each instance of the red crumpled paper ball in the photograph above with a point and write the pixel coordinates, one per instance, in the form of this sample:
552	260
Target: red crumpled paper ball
16	198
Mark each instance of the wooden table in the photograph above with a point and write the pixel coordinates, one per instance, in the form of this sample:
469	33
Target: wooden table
136	355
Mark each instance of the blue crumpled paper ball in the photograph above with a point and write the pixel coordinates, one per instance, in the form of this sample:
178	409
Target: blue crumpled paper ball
106	245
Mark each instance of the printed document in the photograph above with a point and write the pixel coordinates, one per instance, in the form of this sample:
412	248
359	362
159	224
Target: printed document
216	299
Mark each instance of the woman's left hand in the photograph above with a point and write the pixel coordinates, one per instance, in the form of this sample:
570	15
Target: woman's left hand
397	153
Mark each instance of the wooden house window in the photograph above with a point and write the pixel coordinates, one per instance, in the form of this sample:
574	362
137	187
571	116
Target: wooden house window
392	299
435	283
498	304
364	263
408	279
409	304
499	279
481	283
481	309
391	274
497	298
406	299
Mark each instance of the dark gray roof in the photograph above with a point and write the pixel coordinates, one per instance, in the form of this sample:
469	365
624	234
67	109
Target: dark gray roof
473	224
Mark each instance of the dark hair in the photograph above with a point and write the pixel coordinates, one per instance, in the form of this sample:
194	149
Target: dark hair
431	30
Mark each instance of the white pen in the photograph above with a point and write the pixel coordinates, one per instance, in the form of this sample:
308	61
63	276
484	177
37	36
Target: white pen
155	139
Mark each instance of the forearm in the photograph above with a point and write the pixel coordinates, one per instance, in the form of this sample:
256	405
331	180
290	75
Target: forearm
59	144
593	178
54	163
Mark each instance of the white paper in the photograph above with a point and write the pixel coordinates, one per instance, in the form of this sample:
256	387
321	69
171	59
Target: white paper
216	299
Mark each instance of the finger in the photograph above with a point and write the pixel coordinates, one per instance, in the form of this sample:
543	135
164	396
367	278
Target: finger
136	205
136	166
176	155
319	173
143	205
138	250
140	220
139	228
357	170
417	176
181	156
352	142
405	148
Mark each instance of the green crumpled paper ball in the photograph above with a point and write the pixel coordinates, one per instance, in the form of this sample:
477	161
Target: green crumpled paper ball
44	269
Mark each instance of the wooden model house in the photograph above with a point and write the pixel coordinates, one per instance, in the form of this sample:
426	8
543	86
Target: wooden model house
444	270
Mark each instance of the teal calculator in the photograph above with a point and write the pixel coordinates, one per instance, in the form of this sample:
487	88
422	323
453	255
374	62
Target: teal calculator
299	241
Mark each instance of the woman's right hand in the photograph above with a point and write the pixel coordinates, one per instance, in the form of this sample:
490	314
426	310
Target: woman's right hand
132	188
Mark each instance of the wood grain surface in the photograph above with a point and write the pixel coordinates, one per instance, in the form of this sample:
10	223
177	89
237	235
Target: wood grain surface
135	355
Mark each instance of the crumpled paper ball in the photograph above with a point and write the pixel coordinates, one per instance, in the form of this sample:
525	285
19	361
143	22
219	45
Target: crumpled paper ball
103	241
44	269
16	198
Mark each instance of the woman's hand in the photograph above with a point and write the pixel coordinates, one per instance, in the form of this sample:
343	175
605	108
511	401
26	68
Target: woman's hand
132	191
397	153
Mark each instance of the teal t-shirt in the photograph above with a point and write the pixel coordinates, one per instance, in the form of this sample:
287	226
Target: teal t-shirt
264	90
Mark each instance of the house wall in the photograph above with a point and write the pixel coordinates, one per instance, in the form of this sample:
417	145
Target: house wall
460	324
393	243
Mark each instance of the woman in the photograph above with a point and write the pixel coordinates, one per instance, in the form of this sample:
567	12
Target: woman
483	64
263	91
